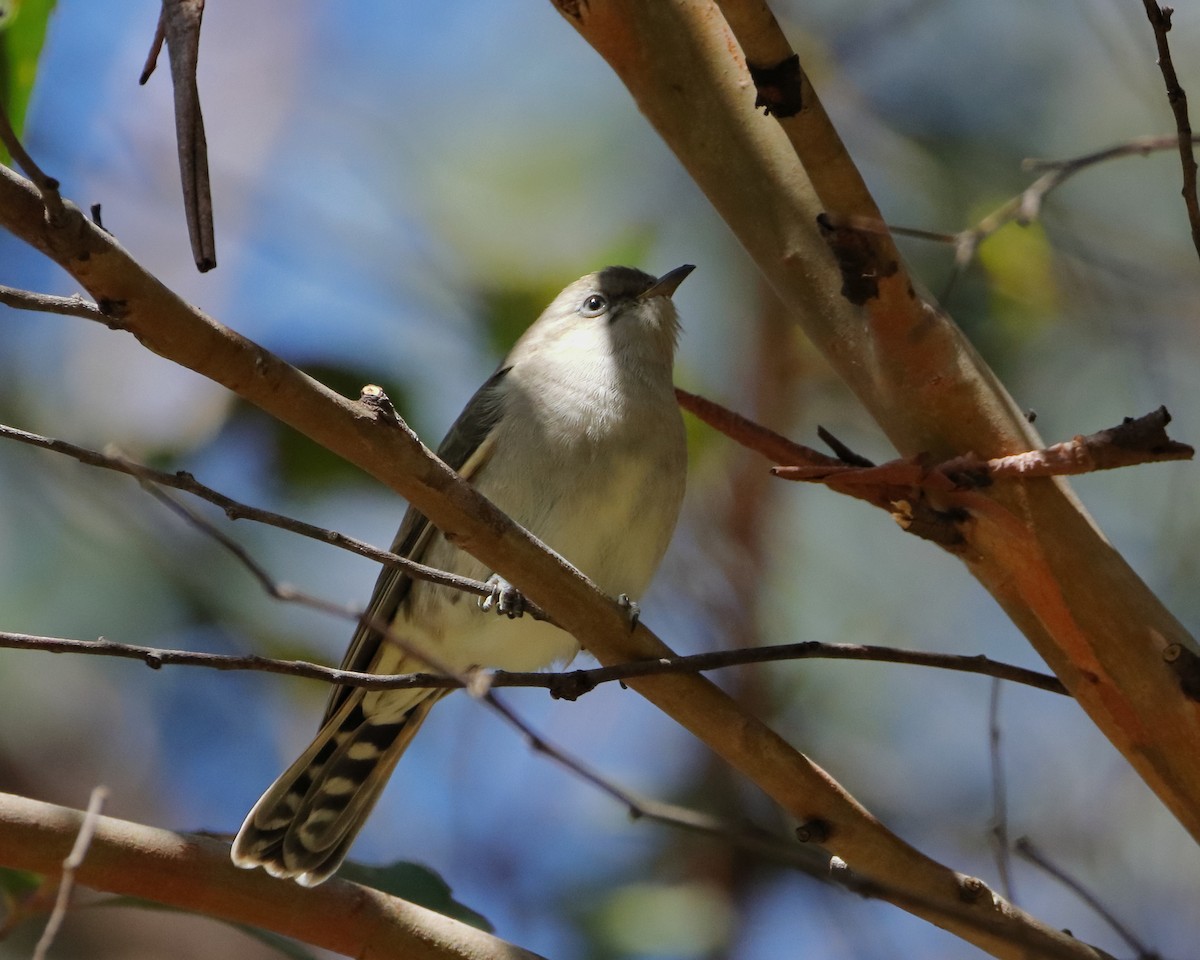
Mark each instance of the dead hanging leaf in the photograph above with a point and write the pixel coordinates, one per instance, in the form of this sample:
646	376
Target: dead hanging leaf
179	25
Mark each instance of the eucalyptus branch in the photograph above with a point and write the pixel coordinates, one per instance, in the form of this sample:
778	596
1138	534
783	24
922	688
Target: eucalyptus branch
193	872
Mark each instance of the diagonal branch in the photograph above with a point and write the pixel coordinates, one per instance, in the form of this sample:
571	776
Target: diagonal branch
692	69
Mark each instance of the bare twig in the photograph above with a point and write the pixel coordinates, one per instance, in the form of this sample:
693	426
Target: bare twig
47	186
1134	441
289	594
1026	207
72	306
999	795
156	45
235	510
74	860
567	685
770	846
1024	846
1160	23
932	500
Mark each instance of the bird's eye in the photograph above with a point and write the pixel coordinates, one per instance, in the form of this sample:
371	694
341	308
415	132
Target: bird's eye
593	306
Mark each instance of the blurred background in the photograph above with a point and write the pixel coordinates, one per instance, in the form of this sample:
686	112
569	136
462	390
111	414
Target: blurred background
399	189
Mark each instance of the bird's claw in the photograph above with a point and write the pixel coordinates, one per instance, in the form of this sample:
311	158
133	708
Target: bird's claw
631	608
505	599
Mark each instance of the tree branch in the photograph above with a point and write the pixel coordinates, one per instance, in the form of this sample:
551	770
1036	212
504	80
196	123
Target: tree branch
1160	23
692	68
194	873
565	685
73	306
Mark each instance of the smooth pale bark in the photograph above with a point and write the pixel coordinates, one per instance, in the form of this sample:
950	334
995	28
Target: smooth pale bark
195	873
1103	632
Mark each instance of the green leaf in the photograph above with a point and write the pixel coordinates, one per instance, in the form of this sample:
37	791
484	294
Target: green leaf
22	32
17	884
416	884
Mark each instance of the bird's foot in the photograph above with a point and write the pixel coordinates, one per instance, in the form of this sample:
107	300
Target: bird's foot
505	599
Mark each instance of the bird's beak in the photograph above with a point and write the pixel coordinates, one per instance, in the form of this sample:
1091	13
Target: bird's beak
665	285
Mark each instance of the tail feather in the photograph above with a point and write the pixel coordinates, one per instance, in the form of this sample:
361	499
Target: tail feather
305	823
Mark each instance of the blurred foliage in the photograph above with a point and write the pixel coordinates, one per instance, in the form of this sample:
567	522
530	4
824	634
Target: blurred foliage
299	464
22	32
416	883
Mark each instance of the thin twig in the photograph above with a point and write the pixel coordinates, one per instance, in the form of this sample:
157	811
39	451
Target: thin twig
778	848
1160	23
47	186
71	864
999	795
235	510
289	594
1026	207
72	306
566	685
1024	846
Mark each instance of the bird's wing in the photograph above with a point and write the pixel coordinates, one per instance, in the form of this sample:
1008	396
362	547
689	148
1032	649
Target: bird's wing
466	448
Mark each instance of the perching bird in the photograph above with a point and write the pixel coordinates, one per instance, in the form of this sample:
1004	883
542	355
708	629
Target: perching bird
576	436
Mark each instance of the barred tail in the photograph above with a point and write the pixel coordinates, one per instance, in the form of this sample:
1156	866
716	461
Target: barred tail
305	823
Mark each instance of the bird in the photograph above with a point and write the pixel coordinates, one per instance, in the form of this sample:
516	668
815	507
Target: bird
578	437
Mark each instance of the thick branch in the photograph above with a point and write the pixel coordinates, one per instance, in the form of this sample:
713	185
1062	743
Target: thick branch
195	873
1030	543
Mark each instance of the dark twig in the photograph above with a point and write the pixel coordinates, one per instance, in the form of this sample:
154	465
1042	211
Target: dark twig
235	510
779	849
1026	207
567	685
71	864
1160	23
156	45
72	306
1024	846
289	594
47	186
